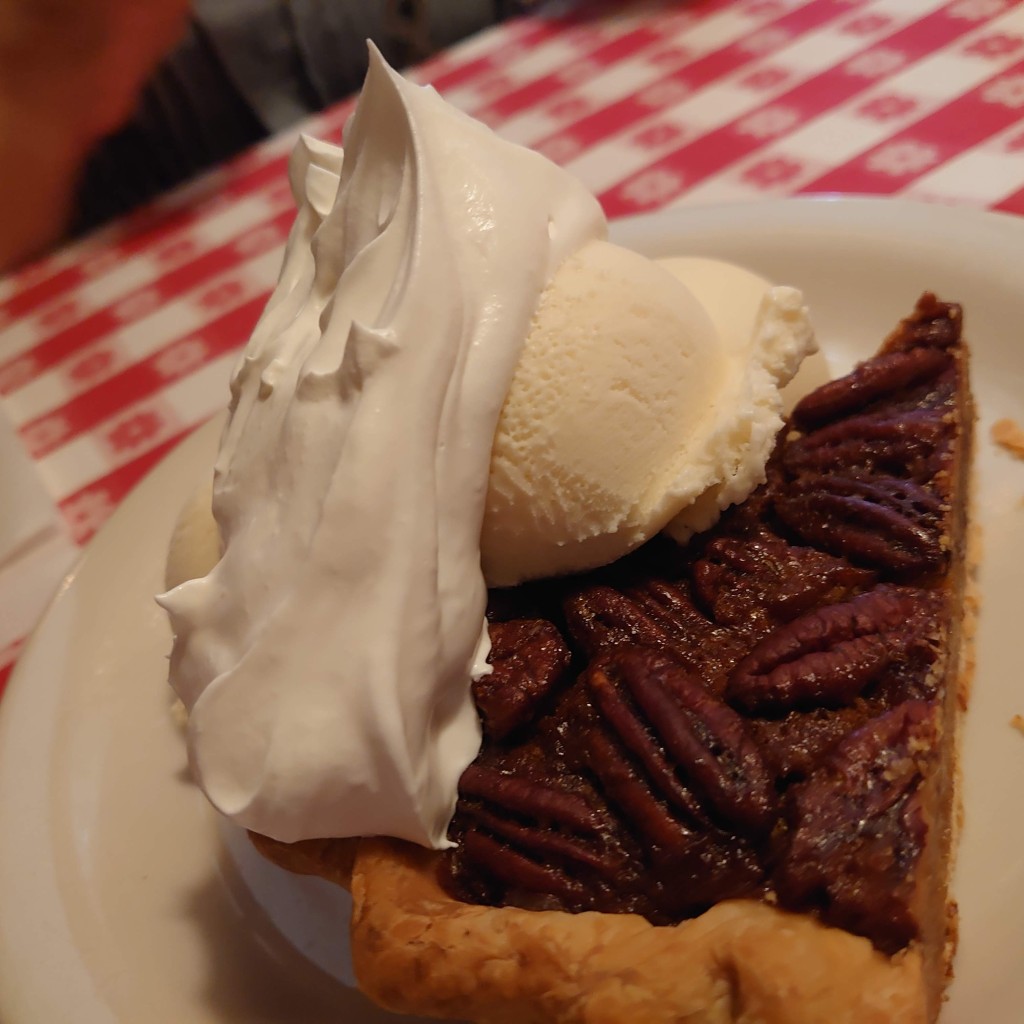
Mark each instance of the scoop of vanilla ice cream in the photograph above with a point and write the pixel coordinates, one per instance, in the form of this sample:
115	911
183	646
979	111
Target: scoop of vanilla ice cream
646	395
588	443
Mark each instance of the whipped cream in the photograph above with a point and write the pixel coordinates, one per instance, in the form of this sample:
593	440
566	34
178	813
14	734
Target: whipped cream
326	660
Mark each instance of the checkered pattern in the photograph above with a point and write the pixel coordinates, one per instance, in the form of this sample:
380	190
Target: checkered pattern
113	349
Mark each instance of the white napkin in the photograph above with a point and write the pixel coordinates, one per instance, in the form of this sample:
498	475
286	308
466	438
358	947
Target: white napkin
27	512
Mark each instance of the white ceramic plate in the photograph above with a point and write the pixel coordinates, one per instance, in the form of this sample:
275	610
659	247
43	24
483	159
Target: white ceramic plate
123	900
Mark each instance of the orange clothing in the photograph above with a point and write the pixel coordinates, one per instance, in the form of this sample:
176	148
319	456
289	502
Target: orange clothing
70	71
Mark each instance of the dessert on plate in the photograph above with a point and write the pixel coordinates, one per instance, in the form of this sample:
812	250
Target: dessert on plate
609	694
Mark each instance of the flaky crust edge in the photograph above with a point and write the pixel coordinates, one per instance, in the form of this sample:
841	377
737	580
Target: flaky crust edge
417	950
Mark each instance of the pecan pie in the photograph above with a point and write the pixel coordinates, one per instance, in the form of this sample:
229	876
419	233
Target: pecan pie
739	753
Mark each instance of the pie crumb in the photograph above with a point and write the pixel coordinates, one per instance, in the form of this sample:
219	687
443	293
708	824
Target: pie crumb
1018	723
1009	434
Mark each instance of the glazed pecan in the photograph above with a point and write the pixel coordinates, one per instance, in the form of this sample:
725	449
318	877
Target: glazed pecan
601	616
692	749
857	829
900	444
686	866
517	871
933	324
528	659
535	836
538	801
657	614
877	378
665	832
794	744
888	524
760	581
827	657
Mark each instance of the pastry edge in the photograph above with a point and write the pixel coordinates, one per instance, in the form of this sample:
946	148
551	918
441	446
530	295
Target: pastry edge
418	950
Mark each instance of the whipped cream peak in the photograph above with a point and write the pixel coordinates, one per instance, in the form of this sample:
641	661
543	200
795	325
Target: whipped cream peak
326	660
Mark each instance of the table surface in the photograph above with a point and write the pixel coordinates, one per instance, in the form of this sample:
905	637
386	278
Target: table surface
114	349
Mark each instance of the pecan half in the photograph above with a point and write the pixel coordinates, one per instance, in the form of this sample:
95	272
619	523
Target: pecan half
601	616
528	659
933	324
897	444
536	836
657	614
687	866
760	581
888	524
666	834
517	871
857	829
827	657
794	744
694	749
876	378
538	801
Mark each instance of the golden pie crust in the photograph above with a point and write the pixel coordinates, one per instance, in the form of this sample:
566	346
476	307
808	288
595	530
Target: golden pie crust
417	950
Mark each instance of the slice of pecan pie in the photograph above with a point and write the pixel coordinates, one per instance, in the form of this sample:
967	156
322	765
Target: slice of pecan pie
740	753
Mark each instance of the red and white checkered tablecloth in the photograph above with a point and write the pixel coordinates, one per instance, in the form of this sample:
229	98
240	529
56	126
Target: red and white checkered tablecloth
113	349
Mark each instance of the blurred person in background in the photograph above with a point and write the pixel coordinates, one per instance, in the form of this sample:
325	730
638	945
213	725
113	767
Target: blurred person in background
106	103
